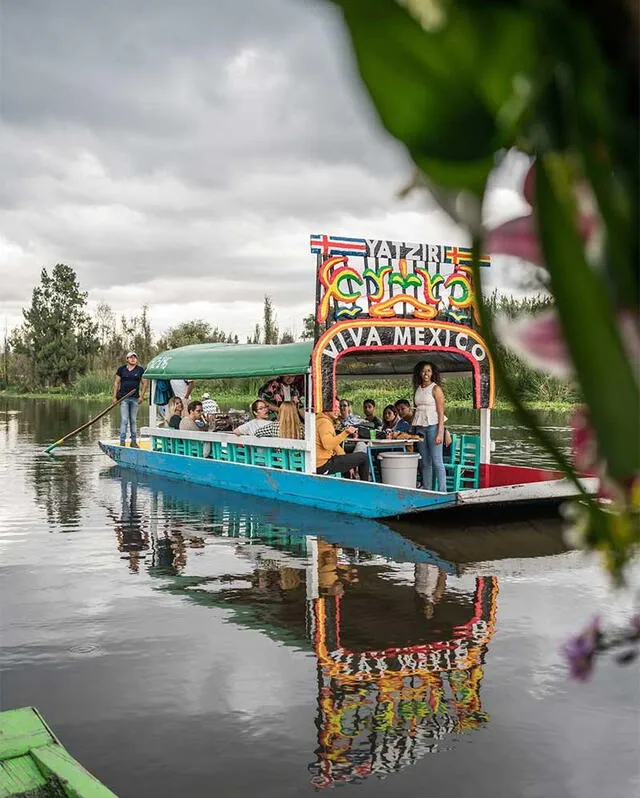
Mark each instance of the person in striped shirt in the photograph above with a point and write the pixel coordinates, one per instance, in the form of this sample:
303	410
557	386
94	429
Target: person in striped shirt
287	426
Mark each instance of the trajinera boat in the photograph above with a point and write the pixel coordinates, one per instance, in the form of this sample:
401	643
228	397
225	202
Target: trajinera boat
381	306
33	763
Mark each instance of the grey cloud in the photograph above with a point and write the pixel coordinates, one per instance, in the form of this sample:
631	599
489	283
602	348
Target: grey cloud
160	148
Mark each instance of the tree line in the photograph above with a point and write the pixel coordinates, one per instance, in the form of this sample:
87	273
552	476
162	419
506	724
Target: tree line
60	344
59	340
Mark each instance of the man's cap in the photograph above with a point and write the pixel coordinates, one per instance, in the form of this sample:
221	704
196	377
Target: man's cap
131	354
205	395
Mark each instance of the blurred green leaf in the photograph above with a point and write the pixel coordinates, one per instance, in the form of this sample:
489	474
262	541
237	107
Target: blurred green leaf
590	109
588	322
453	95
511	391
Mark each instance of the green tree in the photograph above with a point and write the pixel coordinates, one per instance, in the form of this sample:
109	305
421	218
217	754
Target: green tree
256	337
269	325
111	337
105	320
197	331
308	327
140	337
58	336
287	337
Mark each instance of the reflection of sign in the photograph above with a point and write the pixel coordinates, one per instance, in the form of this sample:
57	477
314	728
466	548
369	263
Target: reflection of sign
380	728
458	654
358	277
461	651
382	710
399	335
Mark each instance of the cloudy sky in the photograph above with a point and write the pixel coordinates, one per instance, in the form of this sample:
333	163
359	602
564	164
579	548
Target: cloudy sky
180	154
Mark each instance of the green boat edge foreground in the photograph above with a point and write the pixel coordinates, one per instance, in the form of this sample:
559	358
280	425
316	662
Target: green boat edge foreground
34	763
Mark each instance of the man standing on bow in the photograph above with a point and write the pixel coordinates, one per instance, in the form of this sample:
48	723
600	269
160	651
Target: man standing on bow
129	378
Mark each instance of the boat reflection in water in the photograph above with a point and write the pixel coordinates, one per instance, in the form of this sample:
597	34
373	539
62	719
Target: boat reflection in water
400	641
130	525
382	707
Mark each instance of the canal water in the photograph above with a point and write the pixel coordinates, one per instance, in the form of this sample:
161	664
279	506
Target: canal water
186	642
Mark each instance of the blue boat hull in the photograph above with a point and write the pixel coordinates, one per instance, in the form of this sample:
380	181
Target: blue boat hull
364	499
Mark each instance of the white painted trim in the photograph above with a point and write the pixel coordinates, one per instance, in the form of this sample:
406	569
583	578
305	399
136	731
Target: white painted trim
485	435
153	409
310	440
313	589
549	489
310	425
228	437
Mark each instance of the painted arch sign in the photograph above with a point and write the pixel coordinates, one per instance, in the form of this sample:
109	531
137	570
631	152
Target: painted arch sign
406	335
396	296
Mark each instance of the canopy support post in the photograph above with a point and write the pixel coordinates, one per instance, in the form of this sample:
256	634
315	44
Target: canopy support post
310	424
153	410
485	435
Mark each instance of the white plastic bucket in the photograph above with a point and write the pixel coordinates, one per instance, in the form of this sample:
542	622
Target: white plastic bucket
399	468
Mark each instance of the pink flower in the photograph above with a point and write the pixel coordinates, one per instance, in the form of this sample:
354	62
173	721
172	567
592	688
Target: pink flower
583	444
537	340
516	237
519	237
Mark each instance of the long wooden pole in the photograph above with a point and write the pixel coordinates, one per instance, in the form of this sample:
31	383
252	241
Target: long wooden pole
88	424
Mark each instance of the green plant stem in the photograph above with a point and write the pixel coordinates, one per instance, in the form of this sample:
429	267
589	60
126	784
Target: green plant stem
524	414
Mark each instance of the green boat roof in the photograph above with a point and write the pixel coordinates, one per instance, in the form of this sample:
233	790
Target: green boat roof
217	361
220	361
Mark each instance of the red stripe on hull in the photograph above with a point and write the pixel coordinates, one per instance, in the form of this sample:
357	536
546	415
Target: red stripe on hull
494	475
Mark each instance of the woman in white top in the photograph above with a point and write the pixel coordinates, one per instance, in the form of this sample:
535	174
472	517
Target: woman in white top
428	421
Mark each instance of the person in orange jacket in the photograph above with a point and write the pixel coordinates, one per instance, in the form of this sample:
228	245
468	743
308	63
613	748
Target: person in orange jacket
330	456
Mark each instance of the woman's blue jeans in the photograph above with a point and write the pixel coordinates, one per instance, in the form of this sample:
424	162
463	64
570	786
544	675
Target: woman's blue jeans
431	458
128	413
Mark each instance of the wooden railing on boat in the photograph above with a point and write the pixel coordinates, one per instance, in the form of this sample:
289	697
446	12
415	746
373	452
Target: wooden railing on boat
283	453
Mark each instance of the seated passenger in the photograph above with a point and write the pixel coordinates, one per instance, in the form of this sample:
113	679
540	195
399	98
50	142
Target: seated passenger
405	411
193	422
209	406
369	409
175	411
280	390
392	424
182	389
260	410
287	426
194	414
347	417
330	456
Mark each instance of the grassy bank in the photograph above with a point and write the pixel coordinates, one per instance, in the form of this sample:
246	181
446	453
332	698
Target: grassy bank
243	400
537	390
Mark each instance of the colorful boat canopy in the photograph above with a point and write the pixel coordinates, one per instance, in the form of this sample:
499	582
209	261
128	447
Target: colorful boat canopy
218	361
